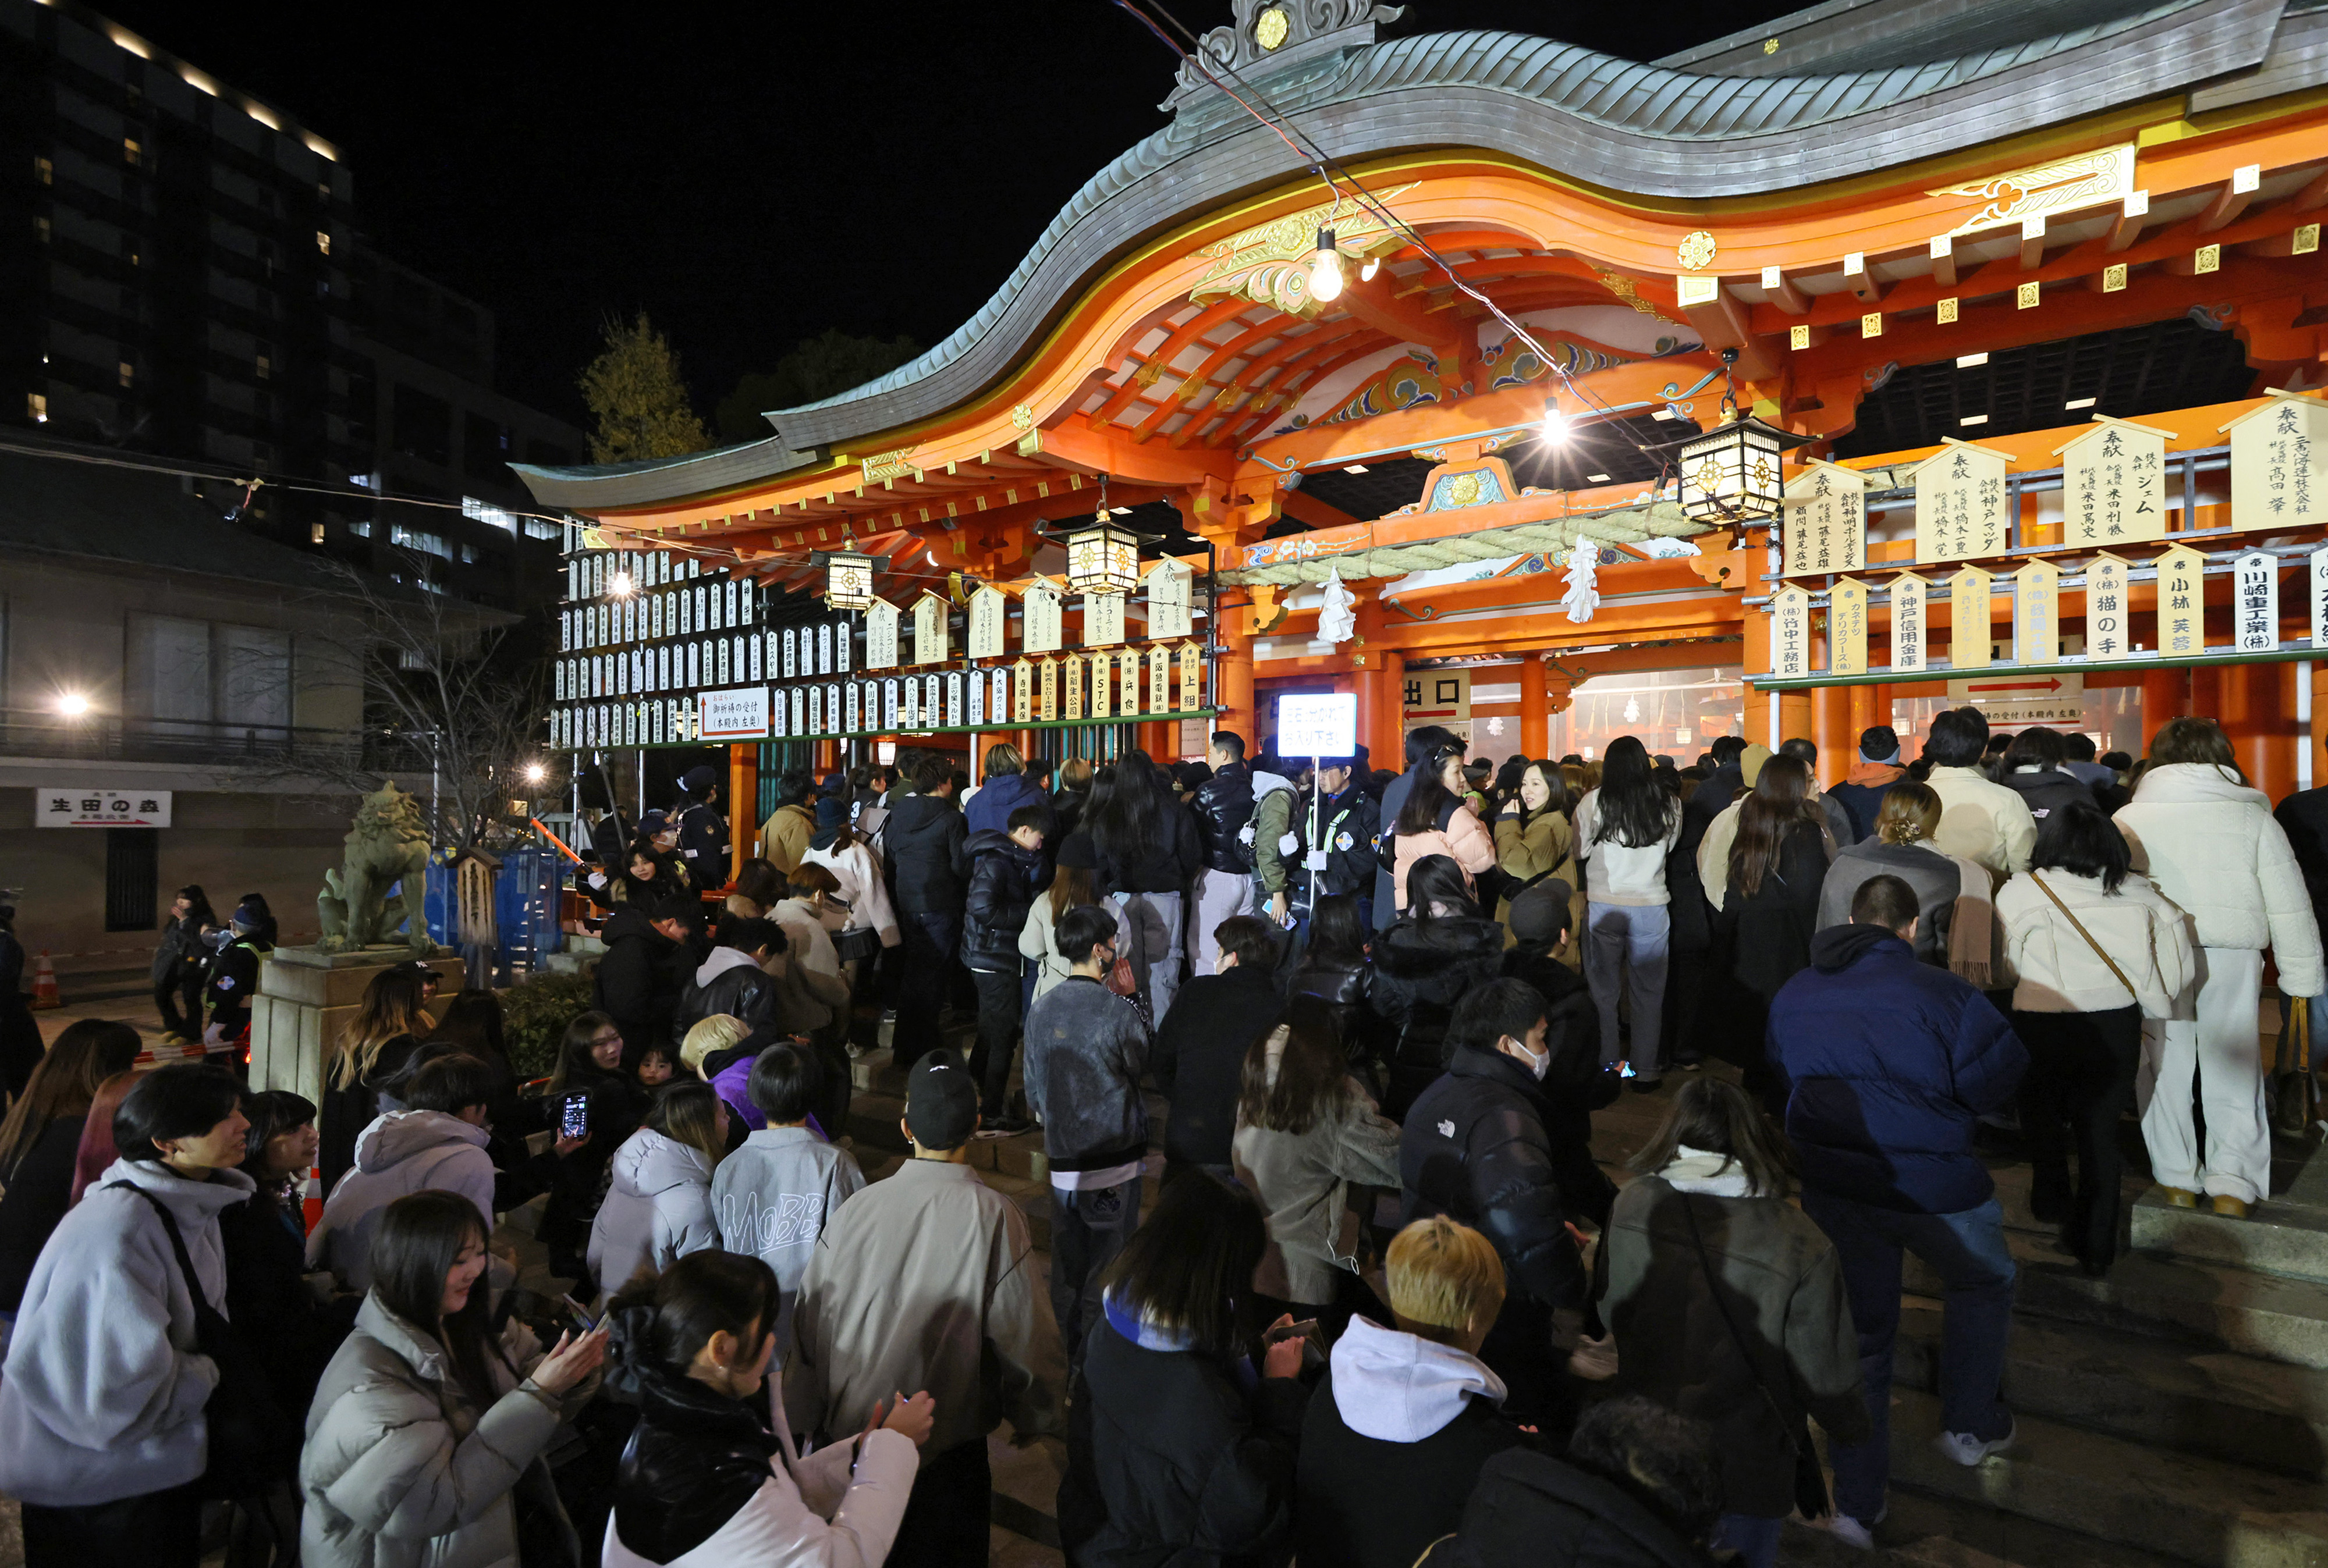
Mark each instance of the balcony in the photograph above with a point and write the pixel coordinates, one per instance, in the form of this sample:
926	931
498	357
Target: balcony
38	733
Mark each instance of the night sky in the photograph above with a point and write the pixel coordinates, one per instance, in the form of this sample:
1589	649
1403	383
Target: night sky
750	175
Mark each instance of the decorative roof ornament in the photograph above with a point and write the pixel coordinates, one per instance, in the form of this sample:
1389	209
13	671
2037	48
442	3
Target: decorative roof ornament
1583	595
1273	33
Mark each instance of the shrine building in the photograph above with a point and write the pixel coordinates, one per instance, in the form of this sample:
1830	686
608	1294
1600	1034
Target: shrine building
1888	357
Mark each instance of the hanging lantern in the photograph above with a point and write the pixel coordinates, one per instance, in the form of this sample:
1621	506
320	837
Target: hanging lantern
1103	558
1731	473
848	577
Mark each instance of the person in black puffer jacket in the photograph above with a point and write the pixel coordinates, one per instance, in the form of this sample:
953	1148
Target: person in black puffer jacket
1334	969
1224	885
1476	1146
1006	869
1145	842
2032	769
1639	1489
730	980
1176	1453
1441	948
922	840
702	1475
1577	1084
649	954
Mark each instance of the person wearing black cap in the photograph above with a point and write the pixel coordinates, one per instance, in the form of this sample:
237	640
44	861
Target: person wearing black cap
234	975
702	830
927	1281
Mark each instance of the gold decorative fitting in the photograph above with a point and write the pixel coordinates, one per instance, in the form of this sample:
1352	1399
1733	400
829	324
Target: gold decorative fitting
1271	27
1798	337
2209	259
885	465
2026	296
2307	241
1696	251
1023	416
2086	180
1618	284
1947	310
1769	46
2114	277
1870	325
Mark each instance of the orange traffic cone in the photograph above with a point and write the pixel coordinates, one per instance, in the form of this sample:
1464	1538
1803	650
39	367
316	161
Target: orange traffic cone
312	1207
45	983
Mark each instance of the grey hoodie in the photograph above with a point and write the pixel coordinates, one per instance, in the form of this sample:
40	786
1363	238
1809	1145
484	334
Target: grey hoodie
657	1209
399	1153
103	1393
772	1198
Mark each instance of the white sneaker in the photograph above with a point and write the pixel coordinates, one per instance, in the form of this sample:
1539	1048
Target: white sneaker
1968	1450
1851	1532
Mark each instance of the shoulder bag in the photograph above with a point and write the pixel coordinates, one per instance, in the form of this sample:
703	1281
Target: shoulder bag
2079	927
253	1443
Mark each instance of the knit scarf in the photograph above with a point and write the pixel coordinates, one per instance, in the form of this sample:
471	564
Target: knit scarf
1875	775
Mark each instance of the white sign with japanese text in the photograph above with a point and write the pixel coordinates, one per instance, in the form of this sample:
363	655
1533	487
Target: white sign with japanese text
741	714
82	805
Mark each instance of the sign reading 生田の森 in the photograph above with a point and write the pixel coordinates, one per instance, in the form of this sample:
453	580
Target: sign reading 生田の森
79	806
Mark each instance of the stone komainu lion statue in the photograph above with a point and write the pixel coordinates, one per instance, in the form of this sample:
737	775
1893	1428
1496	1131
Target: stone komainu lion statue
388	845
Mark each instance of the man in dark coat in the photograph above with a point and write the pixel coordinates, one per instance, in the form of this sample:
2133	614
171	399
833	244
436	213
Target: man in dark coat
1419	745
1198	1061
1223	886
1893	1062
648	958
1005	870
702	830
1474	1147
1873	775
234	977
922	840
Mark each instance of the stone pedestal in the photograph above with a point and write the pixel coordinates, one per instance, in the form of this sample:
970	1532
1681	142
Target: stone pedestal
307	996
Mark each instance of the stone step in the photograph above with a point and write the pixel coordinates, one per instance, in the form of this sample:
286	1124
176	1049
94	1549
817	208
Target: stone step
1924	1531
2289	1239
2191	1510
2235	1309
2236	1408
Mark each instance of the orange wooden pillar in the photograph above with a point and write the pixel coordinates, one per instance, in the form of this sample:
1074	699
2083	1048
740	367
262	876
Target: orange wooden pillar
1535	716
1757	703
2256	709
2163	692
2317	738
1832	732
743	805
1233	677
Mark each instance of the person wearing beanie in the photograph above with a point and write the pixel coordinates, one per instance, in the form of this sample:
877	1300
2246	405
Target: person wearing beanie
1398	1427
926	1281
703	830
1875	770
234	973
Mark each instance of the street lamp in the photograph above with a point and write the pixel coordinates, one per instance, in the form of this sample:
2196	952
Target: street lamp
535	772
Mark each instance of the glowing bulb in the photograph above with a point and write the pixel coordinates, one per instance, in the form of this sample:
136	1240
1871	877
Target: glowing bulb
535	772
1325	268
1555	425
619	584
1372	266
72	704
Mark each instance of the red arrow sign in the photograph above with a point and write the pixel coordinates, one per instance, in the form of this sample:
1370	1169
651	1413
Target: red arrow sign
2020	685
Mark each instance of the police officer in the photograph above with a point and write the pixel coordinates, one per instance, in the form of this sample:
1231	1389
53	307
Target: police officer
234	977
1347	828
702	829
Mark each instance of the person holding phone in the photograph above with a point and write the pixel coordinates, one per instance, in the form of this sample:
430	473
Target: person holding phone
426	1427
1178	1451
591	1098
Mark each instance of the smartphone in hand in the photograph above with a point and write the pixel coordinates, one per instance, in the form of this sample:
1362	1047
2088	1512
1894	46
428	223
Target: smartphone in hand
574	1116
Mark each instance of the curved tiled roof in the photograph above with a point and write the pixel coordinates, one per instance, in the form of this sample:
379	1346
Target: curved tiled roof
1641	128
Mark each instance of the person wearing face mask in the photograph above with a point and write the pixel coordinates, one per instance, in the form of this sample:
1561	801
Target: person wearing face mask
1474	1148
703	1481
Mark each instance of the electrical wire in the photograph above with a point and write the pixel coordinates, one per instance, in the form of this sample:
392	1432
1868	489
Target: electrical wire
1320	163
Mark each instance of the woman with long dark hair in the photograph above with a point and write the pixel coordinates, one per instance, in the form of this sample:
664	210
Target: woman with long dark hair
1727	1304
374	1047
2095	949
110	1372
1145	843
39	1138
179	962
1307	1133
589	1069
1435	820
703	1481
1625	828
1440	948
1769	907
1535	839
1178	1451
1333	969
426	1428
1072	887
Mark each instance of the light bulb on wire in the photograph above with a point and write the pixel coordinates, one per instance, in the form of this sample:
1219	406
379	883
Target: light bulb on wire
1325	268
1555	425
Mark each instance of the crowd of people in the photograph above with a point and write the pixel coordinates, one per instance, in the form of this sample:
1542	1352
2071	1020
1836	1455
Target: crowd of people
1384	1306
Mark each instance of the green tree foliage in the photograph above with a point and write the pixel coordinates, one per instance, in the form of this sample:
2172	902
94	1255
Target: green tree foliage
830	362
638	403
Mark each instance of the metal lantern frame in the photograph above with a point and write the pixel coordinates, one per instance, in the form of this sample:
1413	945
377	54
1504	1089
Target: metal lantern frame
1732	474
848	577
1103	558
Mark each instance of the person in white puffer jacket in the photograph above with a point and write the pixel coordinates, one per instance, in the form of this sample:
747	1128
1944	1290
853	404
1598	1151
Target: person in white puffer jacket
658	1204
2096	949
2207	839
